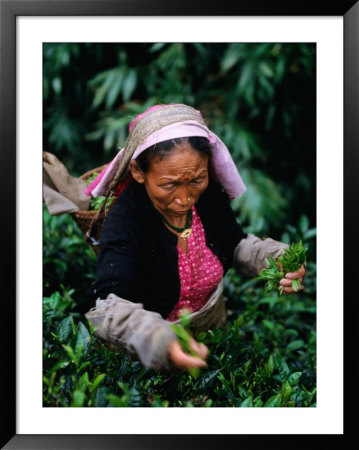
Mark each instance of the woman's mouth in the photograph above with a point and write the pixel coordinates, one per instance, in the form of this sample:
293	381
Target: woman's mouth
181	211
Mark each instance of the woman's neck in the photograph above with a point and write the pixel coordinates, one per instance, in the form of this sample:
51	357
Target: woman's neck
176	221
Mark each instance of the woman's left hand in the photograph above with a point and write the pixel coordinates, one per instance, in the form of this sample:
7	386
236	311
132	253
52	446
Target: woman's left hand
287	281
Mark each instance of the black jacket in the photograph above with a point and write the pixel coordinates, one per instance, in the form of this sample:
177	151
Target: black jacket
138	257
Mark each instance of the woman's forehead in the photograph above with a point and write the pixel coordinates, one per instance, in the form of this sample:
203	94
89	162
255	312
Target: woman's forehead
179	162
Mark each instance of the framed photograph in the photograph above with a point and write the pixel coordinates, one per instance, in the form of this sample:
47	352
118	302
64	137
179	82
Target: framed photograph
332	27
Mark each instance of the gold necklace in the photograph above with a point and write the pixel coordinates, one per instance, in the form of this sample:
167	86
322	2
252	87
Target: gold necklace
185	231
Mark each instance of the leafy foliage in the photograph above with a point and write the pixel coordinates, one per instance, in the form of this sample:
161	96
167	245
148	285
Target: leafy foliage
97	202
258	98
67	259
265	357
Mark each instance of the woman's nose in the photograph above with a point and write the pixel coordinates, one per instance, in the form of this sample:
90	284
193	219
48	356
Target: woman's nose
182	201
183	198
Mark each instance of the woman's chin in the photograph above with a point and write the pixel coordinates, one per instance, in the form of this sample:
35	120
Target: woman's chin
181	212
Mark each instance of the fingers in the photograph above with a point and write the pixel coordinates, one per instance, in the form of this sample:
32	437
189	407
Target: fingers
298	274
290	290
199	348
182	360
287	284
287	281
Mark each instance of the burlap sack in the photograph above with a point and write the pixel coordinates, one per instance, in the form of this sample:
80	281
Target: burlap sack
62	192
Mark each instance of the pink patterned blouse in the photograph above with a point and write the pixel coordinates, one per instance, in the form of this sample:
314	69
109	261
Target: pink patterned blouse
200	271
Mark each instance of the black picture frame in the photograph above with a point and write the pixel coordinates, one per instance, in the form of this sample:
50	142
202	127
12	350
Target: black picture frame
9	10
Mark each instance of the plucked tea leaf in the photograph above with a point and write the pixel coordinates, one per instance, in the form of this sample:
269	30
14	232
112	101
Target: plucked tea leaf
184	339
295	284
291	260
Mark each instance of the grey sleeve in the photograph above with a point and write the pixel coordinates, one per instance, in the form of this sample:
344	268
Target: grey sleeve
250	254
142	334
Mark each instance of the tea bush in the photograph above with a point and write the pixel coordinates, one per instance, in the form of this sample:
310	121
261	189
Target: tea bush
265	357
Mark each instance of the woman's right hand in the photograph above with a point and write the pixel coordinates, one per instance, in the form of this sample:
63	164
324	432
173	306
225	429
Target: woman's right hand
185	361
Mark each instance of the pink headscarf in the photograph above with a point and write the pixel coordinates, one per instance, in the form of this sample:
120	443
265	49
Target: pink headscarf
223	167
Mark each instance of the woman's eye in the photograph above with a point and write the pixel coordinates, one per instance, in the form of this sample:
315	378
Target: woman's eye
197	181
169	186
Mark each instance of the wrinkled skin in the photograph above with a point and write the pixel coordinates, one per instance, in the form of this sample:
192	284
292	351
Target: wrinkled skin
175	183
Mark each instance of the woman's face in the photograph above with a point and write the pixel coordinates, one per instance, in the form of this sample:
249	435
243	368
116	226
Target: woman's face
175	183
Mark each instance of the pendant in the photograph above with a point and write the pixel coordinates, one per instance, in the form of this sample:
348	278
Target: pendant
186	233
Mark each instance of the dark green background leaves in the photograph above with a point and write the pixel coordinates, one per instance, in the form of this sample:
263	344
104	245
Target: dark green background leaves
259	98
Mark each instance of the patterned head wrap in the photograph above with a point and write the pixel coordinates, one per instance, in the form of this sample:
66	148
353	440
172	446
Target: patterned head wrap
160	123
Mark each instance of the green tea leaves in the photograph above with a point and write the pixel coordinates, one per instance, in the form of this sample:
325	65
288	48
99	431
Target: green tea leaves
97	381
184	338
294	378
247	403
290	261
78	399
295	345
207	379
97	202
65	329
295	284
294	257
270	365
265	357
286	390
273	401
282	367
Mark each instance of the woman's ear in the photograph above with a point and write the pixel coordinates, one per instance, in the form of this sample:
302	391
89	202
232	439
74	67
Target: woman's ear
136	172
